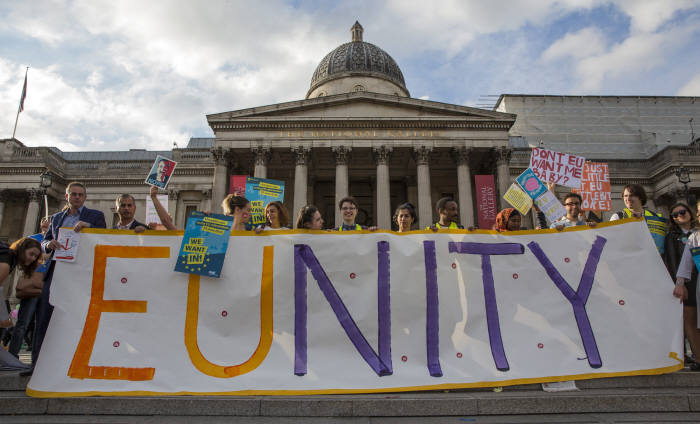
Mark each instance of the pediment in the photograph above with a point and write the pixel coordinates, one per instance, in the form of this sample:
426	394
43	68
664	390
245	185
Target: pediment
365	106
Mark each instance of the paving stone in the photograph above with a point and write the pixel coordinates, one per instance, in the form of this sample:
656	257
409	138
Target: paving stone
412	405
156	406
306	407
18	403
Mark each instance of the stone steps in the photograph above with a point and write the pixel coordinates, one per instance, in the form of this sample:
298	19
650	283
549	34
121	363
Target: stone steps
677	393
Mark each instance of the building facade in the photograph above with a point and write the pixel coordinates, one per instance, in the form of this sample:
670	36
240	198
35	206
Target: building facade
358	132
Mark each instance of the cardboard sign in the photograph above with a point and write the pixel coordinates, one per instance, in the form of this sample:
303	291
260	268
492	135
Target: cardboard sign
561	168
151	214
161	171
531	184
260	192
550	206
518	199
595	187
303	314
204	244
486	205
69	241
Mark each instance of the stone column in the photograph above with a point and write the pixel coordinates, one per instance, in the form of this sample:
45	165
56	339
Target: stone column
464	186
300	179
172	204
4	195
425	204
31	218
262	157
221	159
503	174
381	157
342	157
206	200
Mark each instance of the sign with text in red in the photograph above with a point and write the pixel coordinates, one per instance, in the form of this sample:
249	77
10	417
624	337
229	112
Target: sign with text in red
486	204
237	185
595	187
560	168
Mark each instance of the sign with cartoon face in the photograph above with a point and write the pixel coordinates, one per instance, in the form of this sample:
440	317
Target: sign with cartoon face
161	171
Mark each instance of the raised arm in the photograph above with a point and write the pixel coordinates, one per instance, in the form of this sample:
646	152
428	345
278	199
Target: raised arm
165	219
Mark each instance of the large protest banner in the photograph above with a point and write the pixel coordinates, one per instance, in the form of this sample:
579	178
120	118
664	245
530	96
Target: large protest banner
316	312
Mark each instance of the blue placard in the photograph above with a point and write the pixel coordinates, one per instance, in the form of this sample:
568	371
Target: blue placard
260	192
531	184
204	244
695	251
657	229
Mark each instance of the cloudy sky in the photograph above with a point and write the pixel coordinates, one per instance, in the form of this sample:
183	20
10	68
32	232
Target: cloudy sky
143	74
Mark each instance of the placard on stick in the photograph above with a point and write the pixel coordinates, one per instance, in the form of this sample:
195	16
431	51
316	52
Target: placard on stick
561	168
161	171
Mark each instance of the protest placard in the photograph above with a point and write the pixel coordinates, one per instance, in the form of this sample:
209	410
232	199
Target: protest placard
518	199
550	206
561	168
151	214
69	241
237	185
486	204
204	244
160	172
532	185
657	229
595	187
260	192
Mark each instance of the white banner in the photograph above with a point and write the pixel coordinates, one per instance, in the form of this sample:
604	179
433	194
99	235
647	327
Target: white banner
311	313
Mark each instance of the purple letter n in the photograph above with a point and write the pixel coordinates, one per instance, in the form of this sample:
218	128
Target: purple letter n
304	259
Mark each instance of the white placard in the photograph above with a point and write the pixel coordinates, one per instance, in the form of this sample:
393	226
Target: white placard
69	241
151	214
550	206
561	168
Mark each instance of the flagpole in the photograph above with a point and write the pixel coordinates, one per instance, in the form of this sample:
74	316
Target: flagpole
21	102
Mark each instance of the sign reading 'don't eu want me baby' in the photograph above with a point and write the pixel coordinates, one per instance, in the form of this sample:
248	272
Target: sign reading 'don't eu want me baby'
204	244
556	167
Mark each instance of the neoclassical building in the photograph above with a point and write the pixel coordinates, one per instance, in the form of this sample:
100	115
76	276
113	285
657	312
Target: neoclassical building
359	132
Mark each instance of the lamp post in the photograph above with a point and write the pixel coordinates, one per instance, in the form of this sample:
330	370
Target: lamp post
683	175
46	179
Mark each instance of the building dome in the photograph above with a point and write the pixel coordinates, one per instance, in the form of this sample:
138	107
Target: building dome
357	66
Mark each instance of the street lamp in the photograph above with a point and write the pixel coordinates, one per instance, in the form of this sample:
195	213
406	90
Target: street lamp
683	175
46	179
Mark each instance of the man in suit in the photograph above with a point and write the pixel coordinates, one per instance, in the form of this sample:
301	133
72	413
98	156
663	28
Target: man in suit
76	215
126	209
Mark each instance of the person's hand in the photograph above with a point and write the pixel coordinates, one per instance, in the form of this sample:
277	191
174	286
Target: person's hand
591	224
434	228
680	292
44	225
373	228
471	228
559	227
551	185
80	225
54	245
139	229
258	229
153	192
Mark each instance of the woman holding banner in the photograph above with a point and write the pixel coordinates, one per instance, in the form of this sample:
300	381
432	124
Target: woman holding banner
309	218
276	217
404	217
508	219
683	237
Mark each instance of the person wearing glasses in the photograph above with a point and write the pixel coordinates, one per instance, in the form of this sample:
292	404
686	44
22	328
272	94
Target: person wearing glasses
572	204
682	226
348	209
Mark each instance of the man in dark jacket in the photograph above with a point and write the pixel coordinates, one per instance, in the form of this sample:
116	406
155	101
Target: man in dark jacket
126	209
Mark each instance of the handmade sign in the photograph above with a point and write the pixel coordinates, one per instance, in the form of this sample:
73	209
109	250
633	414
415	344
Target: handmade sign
161	171
550	206
518	199
486	204
318	313
204	244
260	192
151	214
595	187
531	184
560	168
69	241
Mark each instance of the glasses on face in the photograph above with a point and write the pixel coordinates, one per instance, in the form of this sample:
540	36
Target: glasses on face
679	213
351	208
572	204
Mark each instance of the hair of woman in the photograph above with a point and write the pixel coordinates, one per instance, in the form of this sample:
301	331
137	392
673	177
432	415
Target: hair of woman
231	202
19	249
282	214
